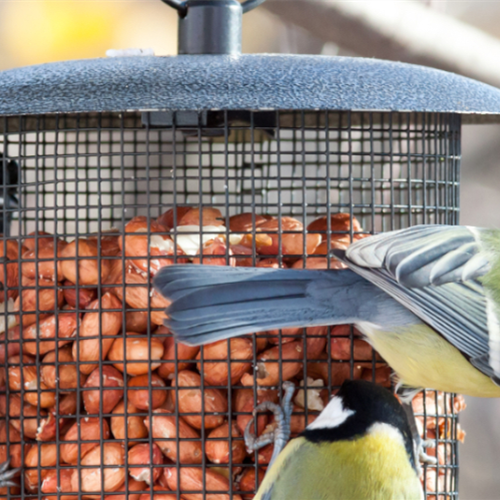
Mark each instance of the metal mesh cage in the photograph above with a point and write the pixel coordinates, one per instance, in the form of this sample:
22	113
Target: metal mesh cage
84	178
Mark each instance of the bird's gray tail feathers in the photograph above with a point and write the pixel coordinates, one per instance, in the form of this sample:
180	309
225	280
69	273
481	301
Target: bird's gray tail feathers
210	303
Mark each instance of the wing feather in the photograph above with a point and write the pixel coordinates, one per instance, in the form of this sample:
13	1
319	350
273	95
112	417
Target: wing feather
434	271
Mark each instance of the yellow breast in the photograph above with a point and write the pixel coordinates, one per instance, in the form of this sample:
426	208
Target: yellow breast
422	358
373	467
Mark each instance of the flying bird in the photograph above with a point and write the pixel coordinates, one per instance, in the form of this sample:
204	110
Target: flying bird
427	298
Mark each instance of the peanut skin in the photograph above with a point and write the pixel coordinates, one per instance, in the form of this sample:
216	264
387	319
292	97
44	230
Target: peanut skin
91	480
85	257
189	400
216	373
191	479
65	324
143	397
170	346
143	296
64	374
92	399
88	429
45	263
139	354
217	445
104	324
32	475
268	373
135	423
145	455
48	298
85	295
165	431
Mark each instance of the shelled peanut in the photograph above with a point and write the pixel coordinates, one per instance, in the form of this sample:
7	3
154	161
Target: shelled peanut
100	381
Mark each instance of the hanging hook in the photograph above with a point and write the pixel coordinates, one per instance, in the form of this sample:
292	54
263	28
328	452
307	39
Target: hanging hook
250	5
179	6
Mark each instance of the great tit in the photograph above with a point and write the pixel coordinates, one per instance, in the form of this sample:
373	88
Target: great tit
427	299
359	448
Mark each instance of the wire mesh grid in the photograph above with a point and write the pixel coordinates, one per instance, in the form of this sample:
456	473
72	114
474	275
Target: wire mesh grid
92	207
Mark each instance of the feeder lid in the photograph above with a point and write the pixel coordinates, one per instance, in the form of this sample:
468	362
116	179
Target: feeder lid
243	82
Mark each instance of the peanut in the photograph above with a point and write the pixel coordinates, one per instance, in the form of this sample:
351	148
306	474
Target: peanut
139	355
104	324
85	295
184	353
191	479
133	486
292	238
158	496
208	216
65	323
58	481
135	424
45	263
339	223
62	374
145	455
268	373
49	298
85	259
142	296
340	349
189	400
29	381
166	219
138	243
216	373
165	431
140	392
218	450
109	398
136	321
47	430
248	483
101	479
48	458
86	429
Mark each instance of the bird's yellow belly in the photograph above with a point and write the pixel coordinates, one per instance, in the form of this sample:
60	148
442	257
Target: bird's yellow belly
422	358
371	467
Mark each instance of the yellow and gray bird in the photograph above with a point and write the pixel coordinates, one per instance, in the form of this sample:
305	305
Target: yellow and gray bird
426	298
359	448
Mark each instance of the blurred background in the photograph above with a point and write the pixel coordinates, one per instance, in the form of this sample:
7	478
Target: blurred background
459	36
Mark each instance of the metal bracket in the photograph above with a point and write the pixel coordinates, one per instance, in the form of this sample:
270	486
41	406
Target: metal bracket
182	119
211	26
180	7
250	5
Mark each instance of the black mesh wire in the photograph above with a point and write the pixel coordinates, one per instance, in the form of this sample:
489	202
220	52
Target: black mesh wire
79	176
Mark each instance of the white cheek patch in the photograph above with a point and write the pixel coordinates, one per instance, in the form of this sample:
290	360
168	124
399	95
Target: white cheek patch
332	416
388	431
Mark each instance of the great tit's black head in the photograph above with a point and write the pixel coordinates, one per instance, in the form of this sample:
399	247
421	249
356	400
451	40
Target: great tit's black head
353	412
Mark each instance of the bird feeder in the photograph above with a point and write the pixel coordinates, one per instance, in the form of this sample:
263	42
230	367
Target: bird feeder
115	167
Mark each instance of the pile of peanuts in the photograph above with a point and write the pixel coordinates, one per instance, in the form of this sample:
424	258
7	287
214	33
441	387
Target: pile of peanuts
91	377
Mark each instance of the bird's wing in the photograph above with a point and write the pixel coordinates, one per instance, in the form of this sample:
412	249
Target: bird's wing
288	463
435	272
424	255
